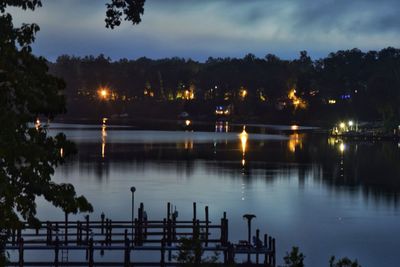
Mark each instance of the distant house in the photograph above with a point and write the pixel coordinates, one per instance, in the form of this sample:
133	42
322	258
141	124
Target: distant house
224	110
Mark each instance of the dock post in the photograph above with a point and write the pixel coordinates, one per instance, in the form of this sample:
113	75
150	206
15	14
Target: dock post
194	211
169	232
197	231
66	229
270	249
56	251
226	255
270	242
140	226
207	229
169	238
162	261
194	220
226	231
109	232
231	254
127	260
91	263
87	228
145	224
106	233
222	229
273	253
174	228
266	262
168	210
21	251
257	245
102	216
164	229
197	252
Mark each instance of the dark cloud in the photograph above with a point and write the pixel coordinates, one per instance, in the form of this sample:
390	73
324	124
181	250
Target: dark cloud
199	28
356	16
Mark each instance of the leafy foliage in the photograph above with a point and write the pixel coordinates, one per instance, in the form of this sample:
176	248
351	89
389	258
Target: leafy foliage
344	262
295	258
190	252
116	9
28	155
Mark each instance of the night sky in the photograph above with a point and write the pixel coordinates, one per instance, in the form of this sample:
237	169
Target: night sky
198	29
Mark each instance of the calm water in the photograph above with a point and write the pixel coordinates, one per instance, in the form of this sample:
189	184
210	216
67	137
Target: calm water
326	197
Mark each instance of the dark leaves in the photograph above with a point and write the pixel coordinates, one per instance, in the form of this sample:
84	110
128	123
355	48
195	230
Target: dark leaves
26	34
28	156
132	9
344	262
24	4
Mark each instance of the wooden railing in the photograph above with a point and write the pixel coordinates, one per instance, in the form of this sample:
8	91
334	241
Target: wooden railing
59	238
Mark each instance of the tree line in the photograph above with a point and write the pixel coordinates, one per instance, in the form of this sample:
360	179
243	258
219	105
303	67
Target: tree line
352	83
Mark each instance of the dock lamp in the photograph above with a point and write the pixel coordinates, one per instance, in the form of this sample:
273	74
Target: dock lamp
249	217
351	123
133	189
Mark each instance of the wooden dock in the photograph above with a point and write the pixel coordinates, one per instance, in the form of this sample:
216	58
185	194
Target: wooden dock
59	239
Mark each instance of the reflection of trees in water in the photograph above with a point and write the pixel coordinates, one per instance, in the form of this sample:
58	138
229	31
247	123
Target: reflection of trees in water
372	169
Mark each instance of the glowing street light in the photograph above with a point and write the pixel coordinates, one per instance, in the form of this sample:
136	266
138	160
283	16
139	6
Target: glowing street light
243	93
37	124
103	93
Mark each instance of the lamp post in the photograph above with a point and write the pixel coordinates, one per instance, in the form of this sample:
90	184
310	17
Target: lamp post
249	217
133	189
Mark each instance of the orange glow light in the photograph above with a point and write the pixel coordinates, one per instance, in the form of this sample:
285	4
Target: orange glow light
103	93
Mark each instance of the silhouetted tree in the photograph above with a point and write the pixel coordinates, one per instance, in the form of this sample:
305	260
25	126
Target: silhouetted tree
344	262
295	258
28	156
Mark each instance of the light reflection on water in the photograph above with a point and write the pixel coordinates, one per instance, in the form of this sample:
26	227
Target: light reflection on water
305	190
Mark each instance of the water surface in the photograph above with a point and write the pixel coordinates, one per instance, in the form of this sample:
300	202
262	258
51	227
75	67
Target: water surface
325	196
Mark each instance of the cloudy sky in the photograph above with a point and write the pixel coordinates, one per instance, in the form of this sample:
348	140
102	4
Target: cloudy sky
201	28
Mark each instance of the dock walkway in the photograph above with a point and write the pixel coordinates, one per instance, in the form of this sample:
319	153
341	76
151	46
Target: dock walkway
61	238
